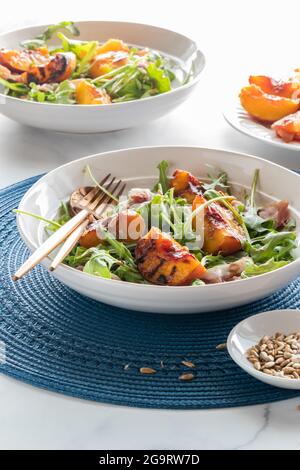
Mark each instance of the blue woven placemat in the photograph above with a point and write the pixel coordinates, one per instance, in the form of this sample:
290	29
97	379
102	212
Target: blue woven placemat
64	342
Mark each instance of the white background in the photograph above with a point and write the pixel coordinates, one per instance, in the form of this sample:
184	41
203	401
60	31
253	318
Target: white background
238	38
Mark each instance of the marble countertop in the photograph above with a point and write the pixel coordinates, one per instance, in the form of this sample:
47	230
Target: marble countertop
33	418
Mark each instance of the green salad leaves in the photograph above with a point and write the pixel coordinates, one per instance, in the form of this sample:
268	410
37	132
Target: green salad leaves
267	245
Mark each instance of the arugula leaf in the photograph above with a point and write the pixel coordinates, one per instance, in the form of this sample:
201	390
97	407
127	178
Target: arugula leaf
253	269
129	274
52	225
198	282
277	245
84	51
220	182
119	248
41	39
209	261
162	81
63	93
253	221
163	178
18	88
100	264
64	213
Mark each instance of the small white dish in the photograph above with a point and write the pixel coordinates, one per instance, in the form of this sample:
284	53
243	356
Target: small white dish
240	120
137	167
248	332
116	116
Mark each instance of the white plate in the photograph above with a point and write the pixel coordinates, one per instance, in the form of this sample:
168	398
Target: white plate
138	168
102	118
240	120
248	333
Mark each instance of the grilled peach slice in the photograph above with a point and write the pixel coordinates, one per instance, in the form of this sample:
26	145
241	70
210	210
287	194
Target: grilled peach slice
162	260
127	226
39	66
288	128
22	61
264	107
112	45
286	89
58	69
87	93
104	63
185	185
7	74
90	237
222	233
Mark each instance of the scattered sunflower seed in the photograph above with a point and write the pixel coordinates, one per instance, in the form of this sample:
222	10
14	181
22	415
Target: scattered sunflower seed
126	367
188	364
221	346
188	376
147	370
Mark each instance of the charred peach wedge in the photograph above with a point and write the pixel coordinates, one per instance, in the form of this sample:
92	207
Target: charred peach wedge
185	185
162	260
222	233
112	45
59	68
288	128
22	61
39	66
265	107
104	63
87	93
286	89
90	237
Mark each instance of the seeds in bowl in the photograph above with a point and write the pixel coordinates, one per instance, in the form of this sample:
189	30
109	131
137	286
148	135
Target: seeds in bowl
277	355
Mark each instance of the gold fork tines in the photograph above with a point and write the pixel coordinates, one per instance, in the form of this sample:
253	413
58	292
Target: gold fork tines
72	229
73	239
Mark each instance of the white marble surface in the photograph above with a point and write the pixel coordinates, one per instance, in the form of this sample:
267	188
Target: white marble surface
238	38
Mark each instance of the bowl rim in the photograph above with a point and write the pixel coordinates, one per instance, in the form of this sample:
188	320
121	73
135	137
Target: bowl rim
247	367
83	275
187	85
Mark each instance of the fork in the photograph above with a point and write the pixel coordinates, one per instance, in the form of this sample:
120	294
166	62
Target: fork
93	203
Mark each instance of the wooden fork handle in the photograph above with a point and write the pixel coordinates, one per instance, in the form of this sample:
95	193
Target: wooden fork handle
51	243
69	244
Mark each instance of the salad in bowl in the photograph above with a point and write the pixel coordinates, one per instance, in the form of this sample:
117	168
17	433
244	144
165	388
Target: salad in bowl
84	72
95	76
194	230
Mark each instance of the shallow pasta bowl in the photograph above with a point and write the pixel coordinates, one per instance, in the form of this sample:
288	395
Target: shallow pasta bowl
116	116
137	167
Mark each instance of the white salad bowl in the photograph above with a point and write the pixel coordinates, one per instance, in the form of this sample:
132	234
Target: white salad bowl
137	167
116	116
249	332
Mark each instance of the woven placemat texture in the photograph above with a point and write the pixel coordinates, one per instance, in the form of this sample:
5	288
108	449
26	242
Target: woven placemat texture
65	342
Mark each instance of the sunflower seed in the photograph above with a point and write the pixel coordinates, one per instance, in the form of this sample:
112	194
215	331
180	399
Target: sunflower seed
147	370
277	355
186	376
188	364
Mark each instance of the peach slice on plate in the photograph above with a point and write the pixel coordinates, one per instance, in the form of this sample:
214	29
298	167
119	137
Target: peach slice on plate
286	89
288	128
265	107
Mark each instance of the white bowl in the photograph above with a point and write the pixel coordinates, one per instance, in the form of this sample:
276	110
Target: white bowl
248	333
138	168
102	118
